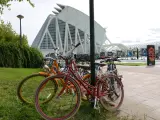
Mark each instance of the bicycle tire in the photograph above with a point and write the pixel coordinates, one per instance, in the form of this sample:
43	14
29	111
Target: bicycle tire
22	98
72	113
121	100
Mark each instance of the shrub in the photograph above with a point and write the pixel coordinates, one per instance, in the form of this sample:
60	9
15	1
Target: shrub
12	55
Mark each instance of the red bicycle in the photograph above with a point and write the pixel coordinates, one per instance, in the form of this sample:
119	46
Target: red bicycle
65	104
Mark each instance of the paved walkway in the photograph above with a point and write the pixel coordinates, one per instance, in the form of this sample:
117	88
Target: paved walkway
142	91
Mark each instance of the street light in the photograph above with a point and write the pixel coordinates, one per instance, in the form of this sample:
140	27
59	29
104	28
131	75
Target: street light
20	18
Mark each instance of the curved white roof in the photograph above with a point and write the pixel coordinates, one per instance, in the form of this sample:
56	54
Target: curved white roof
144	45
115	46
68	25
81	20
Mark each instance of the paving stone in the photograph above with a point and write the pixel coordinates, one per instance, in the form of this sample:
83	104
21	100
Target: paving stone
142	91
155	114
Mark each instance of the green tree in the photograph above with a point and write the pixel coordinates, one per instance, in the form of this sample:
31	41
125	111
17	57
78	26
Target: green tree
7	4
8	35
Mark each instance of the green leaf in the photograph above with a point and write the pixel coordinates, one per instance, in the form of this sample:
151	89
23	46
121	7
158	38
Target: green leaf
7	4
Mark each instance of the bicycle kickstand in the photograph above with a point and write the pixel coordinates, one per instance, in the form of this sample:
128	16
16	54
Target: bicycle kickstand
96	104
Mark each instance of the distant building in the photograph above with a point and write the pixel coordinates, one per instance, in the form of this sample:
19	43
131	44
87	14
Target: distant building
66	27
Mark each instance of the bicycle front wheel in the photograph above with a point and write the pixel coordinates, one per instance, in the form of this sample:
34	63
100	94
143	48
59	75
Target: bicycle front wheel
27	87
114	87
65	103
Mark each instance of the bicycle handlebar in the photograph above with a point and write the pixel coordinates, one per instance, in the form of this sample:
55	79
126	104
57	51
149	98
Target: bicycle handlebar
78	44
69	53
56	51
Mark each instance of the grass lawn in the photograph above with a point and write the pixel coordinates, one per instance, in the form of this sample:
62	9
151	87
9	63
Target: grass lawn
131	64
11	108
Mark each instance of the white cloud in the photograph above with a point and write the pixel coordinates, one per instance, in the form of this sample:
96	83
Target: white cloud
127	20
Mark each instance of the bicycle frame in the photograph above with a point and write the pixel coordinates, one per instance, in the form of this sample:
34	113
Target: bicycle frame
73	70
53	71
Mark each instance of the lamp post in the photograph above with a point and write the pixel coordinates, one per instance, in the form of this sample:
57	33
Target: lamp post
20	18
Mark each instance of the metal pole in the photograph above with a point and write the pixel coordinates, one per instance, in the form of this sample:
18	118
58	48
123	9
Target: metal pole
92	42
137	54
20	33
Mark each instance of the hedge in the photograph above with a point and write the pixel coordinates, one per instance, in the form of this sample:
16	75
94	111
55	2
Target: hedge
14	56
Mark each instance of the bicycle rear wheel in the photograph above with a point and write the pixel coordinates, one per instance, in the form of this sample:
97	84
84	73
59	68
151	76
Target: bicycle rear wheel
66	102
27	87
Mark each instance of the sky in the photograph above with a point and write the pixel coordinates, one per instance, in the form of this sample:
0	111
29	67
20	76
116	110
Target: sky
127	21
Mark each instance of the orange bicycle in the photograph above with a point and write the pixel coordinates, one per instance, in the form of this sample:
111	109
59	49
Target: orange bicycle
28	85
